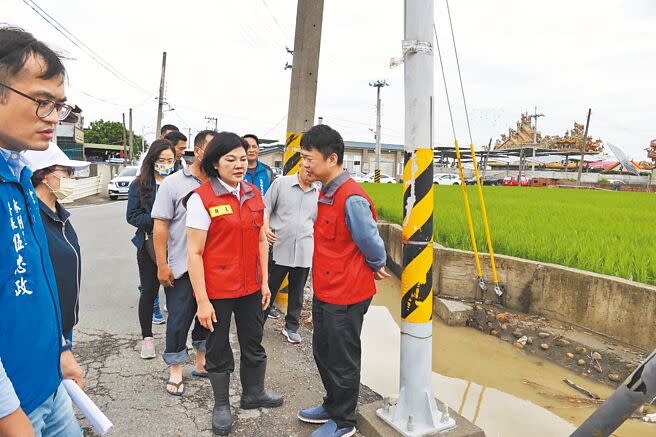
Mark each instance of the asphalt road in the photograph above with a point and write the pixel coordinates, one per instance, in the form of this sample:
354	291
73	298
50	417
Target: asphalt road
131	391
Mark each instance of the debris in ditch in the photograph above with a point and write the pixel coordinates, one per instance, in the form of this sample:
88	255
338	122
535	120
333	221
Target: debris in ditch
581	362
596	356
555	394
529	340
544	346
597	367
570	356
544	334
581	389
581	350
650	418
517	333
523	340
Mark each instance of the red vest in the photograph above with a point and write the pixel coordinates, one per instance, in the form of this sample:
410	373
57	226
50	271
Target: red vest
231	258
340	274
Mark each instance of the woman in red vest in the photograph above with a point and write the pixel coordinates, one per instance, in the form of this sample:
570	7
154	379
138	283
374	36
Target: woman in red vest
228	259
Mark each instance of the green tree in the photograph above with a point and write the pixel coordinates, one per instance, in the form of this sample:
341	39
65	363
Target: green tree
110	132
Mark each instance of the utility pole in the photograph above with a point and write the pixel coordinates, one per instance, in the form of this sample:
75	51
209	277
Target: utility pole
416	412
378	85
160	100
305	72
216	122
535	117
584	143
130	137
125	145
487	157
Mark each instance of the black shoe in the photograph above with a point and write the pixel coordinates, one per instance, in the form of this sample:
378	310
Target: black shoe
252	387
274	313
221	414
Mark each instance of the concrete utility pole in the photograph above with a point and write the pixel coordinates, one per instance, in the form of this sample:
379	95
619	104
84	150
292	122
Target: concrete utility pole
124	142
215	120
305	71
416	413
130	138
160	100
584	143
378	84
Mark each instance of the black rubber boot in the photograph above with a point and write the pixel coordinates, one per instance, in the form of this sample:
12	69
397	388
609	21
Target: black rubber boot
221	415
253	393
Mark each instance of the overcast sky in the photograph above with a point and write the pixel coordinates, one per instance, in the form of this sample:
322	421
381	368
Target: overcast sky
226	59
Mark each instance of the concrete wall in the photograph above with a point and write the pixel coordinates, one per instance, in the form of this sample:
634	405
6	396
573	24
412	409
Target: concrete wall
621	309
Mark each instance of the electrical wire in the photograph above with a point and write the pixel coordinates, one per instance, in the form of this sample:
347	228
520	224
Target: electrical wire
81	45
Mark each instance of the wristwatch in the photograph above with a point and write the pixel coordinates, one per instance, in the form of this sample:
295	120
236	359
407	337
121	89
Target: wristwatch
67	346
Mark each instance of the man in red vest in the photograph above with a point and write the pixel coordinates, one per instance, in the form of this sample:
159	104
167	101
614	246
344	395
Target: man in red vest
348	256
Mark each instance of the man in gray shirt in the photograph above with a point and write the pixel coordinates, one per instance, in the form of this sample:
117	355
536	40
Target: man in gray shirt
169	233
291	204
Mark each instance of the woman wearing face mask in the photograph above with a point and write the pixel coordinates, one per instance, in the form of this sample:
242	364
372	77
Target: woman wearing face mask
158	163
53	181
228	257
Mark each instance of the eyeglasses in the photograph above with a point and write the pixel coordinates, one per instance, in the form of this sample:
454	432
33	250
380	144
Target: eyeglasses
45	107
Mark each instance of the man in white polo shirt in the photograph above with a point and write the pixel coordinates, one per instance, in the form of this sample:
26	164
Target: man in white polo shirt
291	204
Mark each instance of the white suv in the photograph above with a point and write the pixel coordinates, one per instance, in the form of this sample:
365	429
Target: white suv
446	179
120	184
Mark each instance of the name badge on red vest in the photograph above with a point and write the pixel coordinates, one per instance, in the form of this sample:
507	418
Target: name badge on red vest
217	211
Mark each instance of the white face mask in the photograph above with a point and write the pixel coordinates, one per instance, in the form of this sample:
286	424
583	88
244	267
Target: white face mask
66	188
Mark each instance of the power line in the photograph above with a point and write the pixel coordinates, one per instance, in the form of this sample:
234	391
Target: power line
81	45
275	19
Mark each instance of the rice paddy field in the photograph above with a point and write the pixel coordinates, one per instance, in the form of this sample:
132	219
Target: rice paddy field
607	232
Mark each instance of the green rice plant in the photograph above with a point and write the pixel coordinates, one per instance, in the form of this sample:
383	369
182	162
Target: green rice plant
612	233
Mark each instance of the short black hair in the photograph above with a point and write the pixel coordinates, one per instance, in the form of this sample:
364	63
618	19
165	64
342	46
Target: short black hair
257	140
175	137
16	46
201	136
326	140
166	127
222	144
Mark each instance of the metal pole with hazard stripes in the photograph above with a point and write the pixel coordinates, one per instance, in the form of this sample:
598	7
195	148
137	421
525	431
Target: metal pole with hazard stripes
416	412
305	72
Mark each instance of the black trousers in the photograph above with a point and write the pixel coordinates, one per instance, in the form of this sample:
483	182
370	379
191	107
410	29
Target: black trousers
249	319
182	312
149	289
297	279
337	351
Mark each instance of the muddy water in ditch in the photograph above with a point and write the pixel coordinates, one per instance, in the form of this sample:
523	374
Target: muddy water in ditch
482	377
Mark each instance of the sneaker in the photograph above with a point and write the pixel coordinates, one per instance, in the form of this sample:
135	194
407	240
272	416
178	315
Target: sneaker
274	313
329	429
158	318
148	348
292	337
314	415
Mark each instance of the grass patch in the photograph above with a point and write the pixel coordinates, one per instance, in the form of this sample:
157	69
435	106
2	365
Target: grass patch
613	233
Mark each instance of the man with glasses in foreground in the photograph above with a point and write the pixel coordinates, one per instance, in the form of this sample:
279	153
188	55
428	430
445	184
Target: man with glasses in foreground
33	355
169	215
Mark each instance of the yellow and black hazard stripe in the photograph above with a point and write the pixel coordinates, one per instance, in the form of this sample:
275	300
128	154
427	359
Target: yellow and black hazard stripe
417	277
292	156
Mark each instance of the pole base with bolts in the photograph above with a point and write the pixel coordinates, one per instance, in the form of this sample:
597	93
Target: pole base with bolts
416	413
